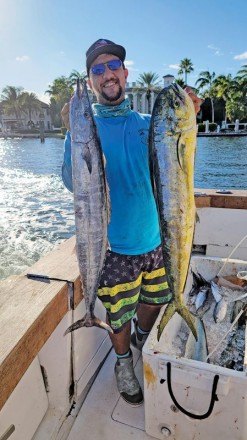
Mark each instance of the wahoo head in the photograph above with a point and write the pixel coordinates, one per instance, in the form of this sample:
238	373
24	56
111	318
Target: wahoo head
81	116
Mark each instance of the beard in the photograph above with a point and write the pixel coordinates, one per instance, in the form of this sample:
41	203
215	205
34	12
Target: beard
113	98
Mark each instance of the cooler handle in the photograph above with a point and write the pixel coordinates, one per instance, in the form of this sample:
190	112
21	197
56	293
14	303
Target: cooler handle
214	397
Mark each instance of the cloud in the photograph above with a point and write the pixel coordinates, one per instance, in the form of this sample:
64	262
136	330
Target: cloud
174	66
129	64
23	58
61	53
42	97
215	49
211	46
242	56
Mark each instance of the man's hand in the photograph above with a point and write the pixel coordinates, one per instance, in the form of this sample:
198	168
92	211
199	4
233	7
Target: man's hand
65	115
195	99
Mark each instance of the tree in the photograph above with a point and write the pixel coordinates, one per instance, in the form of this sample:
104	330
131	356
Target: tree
11	100
206	79
60	92
226	87
148	82
75	75
242	73
29	102
241	80
180	82
185	67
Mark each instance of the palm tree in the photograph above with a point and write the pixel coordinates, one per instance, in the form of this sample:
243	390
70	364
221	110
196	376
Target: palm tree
242	73
11	100
60	87
180	82
206	79
60	92
148	82
29	102
226	88
241	79
75	75
185	67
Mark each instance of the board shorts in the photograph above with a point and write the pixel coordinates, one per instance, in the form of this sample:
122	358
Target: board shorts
127	280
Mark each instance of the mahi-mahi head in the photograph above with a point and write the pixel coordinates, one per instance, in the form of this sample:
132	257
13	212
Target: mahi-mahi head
91	203
172	154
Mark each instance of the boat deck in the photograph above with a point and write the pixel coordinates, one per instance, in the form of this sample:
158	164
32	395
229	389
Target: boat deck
104	414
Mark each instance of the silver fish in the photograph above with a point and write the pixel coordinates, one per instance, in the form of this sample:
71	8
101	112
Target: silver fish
172	145
91	203
201	298
220	310
197	350
216	291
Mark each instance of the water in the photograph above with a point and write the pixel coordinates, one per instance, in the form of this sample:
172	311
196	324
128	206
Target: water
221	163
36	211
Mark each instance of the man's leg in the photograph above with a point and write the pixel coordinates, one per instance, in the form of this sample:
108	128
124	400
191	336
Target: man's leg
154	294
147	315
119	292
127	382
121	341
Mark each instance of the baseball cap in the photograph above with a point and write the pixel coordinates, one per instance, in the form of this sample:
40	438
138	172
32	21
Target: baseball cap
104	46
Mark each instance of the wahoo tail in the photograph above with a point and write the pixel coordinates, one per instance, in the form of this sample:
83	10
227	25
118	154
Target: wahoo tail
87	321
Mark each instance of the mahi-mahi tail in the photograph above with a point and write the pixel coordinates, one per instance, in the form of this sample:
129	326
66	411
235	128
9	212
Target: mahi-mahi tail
182	310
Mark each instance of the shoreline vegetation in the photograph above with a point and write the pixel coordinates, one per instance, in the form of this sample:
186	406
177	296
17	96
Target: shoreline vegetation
224	98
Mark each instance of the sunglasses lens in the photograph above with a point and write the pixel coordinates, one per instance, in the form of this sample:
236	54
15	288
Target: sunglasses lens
114	64
98	69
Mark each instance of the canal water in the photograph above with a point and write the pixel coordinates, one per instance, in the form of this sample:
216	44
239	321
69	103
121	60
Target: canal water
36	210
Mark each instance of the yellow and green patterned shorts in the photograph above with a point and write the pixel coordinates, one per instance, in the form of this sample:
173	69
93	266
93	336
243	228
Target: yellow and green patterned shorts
127	280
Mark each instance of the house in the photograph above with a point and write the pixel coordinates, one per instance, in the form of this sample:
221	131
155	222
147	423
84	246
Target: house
40	117
138	99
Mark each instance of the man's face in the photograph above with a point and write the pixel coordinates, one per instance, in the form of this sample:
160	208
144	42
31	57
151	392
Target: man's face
109	87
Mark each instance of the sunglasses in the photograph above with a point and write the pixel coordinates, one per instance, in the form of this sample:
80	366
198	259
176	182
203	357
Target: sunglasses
98	69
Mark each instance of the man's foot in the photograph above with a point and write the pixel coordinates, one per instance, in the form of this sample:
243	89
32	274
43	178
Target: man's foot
127	383
137	339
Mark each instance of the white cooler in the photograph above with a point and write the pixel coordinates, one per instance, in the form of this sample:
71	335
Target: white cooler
187	399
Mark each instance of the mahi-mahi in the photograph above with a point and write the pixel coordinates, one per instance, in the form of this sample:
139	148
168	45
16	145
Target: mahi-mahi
172	145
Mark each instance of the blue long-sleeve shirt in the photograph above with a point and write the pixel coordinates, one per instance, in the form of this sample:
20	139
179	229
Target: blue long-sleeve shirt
134	226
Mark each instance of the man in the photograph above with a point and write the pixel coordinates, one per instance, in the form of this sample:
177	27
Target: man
133	278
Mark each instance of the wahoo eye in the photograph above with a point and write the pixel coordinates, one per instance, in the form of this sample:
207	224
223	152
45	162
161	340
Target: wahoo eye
86	114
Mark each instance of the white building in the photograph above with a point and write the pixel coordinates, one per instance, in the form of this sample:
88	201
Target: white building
138	99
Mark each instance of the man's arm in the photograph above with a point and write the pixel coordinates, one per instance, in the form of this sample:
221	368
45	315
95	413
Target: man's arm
65	115
195	99
67	166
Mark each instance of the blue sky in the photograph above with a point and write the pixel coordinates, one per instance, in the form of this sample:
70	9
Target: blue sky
43	39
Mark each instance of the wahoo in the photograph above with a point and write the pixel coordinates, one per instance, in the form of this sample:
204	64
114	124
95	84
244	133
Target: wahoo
91	203
172	146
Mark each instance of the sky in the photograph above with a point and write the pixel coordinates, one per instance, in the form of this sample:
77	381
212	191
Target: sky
41	40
